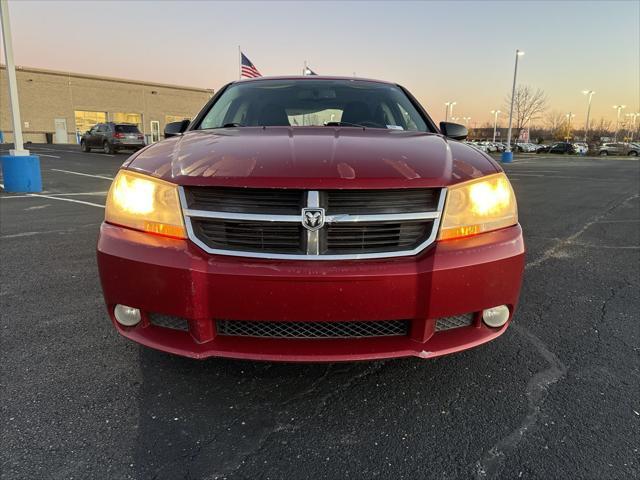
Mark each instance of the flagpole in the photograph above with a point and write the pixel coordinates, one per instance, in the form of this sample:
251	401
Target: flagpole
239	63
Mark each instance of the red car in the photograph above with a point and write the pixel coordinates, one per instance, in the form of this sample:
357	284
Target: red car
311	219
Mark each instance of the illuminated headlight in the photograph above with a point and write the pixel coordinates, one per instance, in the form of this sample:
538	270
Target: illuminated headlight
145	203
478	206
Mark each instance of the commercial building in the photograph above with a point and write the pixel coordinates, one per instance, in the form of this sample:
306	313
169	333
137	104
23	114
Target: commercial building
66	104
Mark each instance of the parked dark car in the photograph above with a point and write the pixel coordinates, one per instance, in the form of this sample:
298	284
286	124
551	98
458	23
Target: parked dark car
619	148
559	148
111	137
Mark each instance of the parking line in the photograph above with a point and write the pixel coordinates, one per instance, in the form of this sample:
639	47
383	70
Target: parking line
73	194
52	156
65	200
83	174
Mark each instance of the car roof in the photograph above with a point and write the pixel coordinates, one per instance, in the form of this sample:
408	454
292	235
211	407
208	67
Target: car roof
313	77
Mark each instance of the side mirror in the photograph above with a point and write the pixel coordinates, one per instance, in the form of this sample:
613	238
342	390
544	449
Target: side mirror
454	130
174	129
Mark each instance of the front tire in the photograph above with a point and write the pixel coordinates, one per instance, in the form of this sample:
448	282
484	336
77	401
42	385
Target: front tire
633	154
84	147
604	153
107	148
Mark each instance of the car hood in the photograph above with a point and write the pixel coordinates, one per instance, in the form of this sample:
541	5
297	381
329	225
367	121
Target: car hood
312	157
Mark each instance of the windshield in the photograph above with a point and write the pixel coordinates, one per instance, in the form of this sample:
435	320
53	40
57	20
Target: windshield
297	103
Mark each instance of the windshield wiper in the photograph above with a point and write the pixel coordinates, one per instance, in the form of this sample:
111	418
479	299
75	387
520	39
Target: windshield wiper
231	125
343	124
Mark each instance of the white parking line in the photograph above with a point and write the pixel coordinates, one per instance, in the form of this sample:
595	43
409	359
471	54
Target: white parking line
52	156
73	194
62	199
83	174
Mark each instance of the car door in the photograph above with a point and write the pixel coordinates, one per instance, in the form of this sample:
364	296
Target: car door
91	136
103	131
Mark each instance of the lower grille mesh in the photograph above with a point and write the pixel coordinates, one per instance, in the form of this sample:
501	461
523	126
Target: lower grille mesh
454	322
169	321
386	328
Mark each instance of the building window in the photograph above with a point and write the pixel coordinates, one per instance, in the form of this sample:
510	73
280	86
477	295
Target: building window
86	119
120	117
175	118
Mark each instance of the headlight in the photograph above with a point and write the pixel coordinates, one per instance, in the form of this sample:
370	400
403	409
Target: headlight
477	206
145	203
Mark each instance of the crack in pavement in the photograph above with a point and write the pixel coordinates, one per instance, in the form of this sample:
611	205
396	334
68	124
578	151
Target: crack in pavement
550	252
490	465
537	390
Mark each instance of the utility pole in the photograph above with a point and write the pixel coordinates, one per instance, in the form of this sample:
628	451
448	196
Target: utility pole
507	155
20	171
619	108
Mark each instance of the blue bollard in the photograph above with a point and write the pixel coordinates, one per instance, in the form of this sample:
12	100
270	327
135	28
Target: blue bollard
507	157
21	173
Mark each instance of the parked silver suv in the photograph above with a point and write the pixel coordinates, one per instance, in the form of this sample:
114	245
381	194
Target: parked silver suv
620	148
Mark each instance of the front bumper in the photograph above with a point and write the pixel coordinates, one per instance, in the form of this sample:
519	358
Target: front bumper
175	277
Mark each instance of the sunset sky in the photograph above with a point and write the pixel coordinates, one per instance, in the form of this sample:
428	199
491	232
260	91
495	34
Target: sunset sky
462	51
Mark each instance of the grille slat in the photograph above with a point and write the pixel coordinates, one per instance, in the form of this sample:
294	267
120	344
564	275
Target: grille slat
241	328
244	200
376	237
375	202
251	236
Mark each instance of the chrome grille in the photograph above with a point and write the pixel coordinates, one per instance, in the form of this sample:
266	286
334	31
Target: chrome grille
268	223
458	321
169	321
386	328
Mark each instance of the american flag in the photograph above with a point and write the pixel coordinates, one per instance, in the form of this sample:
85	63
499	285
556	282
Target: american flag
248	69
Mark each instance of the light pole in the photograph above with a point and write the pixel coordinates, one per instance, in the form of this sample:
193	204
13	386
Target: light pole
589	94
20	171
619	108
449	110
507	155
632	129
466	121
495	123
569	117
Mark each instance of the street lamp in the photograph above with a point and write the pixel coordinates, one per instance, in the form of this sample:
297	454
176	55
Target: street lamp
619	108
507	155
495	123
632	129
589	94
466	121
569	117
449	110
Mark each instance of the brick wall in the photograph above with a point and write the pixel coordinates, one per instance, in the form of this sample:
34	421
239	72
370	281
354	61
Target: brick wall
47	95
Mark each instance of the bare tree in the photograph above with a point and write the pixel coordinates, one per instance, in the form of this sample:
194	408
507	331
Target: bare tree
527	105
554	121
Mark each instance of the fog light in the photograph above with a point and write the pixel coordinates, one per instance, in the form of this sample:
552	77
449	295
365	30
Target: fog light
127	316
496	316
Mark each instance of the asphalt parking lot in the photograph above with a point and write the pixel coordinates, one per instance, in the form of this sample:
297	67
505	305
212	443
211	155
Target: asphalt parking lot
557	396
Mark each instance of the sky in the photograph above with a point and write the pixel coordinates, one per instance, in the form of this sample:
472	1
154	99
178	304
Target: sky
441	51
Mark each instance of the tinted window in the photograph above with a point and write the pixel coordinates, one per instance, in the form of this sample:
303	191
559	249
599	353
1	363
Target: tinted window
127	129
314	103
